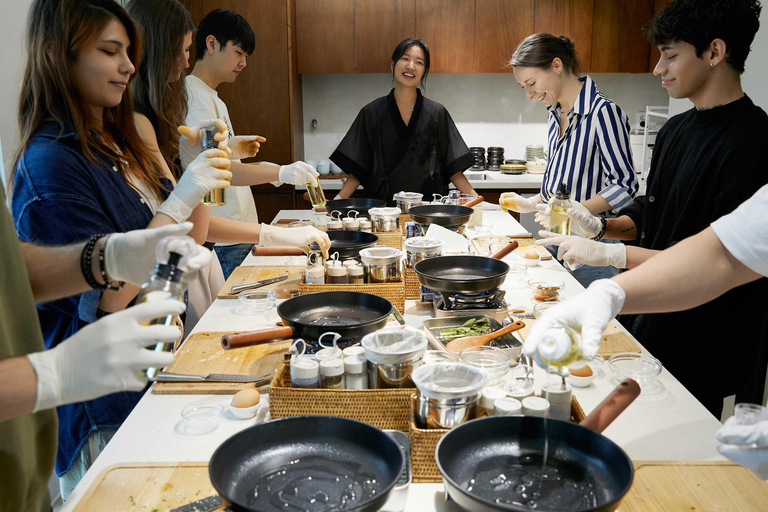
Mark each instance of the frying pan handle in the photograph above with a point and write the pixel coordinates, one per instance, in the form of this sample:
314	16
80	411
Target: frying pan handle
613	405
476	201
251	338
511	246
276	250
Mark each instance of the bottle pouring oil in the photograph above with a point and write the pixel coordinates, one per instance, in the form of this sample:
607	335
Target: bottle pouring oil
559	221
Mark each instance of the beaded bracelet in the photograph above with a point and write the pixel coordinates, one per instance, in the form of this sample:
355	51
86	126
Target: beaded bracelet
86	260
601	233
102	268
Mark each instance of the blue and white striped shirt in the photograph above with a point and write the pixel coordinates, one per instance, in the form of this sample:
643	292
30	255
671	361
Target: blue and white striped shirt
594	155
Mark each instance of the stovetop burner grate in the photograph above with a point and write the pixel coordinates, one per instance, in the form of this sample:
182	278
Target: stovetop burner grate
492	299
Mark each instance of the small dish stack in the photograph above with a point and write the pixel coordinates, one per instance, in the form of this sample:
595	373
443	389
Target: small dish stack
513	167
495	158
533	151
479	154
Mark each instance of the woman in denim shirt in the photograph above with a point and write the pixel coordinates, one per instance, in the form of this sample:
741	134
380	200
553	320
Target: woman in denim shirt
82	169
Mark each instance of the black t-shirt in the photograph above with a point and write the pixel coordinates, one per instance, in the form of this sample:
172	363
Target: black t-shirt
704	165
388	157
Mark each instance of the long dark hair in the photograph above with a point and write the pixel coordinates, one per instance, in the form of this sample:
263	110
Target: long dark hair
539	50
57	31
401	49
165	22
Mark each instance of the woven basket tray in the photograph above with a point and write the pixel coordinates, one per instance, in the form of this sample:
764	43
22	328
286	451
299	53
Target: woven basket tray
392	239
393	292
412	285
404	217
382	408
424	441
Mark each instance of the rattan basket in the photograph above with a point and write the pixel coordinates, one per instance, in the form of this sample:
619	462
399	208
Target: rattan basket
392	239
412	285
382	408
394	292
424	441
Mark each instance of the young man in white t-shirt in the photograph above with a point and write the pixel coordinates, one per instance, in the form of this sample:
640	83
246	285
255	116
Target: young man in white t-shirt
223	42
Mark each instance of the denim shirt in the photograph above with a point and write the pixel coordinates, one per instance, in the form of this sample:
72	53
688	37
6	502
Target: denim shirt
60	197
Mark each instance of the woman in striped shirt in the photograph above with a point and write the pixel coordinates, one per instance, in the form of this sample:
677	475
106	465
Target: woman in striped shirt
588	134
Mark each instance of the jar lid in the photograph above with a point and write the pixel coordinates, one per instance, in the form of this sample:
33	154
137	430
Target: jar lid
349	221
356	350
316	271
335	224
331	367
327	354
536	403
489	395
356	270
349	263
354	364
337	270
304	368
507	405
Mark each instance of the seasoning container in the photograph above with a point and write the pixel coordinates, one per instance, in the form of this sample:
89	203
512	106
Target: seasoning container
332	352
335	223
385	219
355	372
350	222
332	374
507	406
536	406
559	346
305	371
383	263
315	271
337	273
420	248
488	397
519	389
349	263
356	274
407	199
559	397
366	225
355	350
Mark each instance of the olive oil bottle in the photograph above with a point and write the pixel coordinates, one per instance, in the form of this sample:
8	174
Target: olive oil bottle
559	221
217	196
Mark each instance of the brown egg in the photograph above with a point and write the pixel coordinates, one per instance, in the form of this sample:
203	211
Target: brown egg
531	255
246	398
285	292
584	371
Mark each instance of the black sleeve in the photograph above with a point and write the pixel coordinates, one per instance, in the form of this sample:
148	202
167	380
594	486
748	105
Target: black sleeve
635	212
454	152
354	154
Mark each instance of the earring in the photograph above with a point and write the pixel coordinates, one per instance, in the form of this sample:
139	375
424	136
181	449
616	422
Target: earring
712	65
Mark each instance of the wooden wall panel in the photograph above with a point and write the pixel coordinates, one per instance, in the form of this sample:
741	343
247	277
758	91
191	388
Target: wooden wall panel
500	25
448	28
379	26
655	55
572	18
618	45
325	36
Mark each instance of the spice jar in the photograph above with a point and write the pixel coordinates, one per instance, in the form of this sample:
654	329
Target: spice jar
488	397
332	352
337	273
305	371
350	222
335	223
355	372
365	225
332	374
356	274
507	406
559	397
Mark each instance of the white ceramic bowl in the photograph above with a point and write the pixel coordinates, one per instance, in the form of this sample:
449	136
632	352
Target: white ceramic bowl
580	382
245	413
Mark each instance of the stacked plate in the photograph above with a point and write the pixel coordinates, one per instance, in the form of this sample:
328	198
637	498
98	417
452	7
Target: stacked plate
479	155
513	167
495	158
534	151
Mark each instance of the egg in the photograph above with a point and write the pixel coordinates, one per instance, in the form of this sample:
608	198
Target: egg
531	258
284	292
584	371
246	398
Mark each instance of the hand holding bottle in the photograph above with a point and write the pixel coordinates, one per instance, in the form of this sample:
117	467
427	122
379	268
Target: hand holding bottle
194	134
590	252
301	237
583	222
298	173
517	203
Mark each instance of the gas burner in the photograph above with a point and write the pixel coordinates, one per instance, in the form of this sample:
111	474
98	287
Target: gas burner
492	299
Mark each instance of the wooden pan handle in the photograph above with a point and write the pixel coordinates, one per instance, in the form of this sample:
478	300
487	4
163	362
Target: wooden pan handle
476	201
276	250
251	338
511	246
613	405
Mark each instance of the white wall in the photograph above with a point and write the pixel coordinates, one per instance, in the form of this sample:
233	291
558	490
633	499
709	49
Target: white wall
756	74
488	109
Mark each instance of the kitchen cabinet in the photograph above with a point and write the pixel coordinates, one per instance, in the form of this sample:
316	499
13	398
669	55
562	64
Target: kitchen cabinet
618	45
448	27
500	25
572	18
655	54
325	36
380	25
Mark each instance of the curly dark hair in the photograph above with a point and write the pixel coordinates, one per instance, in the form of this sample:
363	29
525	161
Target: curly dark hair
699	22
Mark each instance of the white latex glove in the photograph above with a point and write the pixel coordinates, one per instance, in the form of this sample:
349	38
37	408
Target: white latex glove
746	445
590	312
194	134
518	203
297	173
583	223
244	146
130	257
105	357
542	214
208	171
590	252
301	237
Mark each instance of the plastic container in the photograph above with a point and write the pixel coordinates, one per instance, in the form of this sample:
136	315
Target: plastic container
305	373
332	374
355	372
559	398
356	274
201	417
641	367
492	361
256	302
488	397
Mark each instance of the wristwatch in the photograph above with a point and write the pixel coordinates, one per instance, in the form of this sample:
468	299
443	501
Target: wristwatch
601	233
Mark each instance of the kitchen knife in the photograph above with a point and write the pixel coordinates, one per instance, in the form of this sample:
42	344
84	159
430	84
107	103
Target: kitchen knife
211	377
204	505
258	284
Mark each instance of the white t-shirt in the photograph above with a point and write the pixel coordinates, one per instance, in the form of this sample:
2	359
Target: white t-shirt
744	232
204	103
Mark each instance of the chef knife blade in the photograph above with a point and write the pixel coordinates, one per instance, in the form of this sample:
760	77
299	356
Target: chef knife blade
211	377
204	505
258	284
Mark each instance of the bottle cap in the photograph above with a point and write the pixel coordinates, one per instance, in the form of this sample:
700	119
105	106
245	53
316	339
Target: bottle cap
506	406
304	368
535	404
316	271
349	263
171	254
562	192
489	396
331	367
554	344
354	364
329	353
337	270
335	224
356	270
357	350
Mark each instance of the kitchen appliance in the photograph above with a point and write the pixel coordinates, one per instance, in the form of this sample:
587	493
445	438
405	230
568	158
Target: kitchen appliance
490	303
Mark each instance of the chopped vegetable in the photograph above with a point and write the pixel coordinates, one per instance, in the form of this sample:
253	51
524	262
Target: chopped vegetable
472	327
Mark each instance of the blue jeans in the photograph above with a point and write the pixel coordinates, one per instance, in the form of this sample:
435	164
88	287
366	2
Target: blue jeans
231	256
586	274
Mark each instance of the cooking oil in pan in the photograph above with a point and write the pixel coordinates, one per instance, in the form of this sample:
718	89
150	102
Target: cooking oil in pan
314	484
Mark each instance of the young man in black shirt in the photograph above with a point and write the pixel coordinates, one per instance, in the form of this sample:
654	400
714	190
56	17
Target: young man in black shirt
706	162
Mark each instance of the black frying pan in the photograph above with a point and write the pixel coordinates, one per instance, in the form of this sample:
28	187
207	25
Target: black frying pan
494	464
446	215
348	243
360	204
351	314
292	461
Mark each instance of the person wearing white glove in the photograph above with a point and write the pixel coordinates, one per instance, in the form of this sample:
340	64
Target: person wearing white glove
517	203
193	135
583	223
590	252
298	173
746	445
590	311
301	237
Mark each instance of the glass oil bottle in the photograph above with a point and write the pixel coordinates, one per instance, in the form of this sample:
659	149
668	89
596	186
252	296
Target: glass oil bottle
559	221
316	194
216	197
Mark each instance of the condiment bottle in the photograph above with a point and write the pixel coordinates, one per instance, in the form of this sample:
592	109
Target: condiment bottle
356	274
488	396
216	197
337	273
350	222
559	346
536	406
365	225
355	350
559	397
332	374
507	406
355	372
332	352
559	221
314	274
335	222
305	371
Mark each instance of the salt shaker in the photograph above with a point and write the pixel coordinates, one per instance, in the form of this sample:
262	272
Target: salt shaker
356	274
365	225
355	372
305	372
355	350
536	406
337	273
332	374
488	397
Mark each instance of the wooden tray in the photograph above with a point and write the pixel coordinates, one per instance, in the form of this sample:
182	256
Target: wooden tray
614	340
245	275
694	486
202	354
147	487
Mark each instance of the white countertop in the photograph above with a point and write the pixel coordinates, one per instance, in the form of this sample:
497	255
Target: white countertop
671	425
480	180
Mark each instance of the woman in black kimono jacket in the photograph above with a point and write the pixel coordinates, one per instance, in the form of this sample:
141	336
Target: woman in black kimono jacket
404	141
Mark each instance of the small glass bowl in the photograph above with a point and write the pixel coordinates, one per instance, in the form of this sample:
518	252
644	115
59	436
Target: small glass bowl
201	417
749	414
540	307
546	290
641	367
516	276
256	302
483	229
439	356
300	223
492	361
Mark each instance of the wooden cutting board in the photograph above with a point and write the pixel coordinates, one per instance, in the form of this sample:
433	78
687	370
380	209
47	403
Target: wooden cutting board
524	245
614	340
147	487
202	354
694	486
246	275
